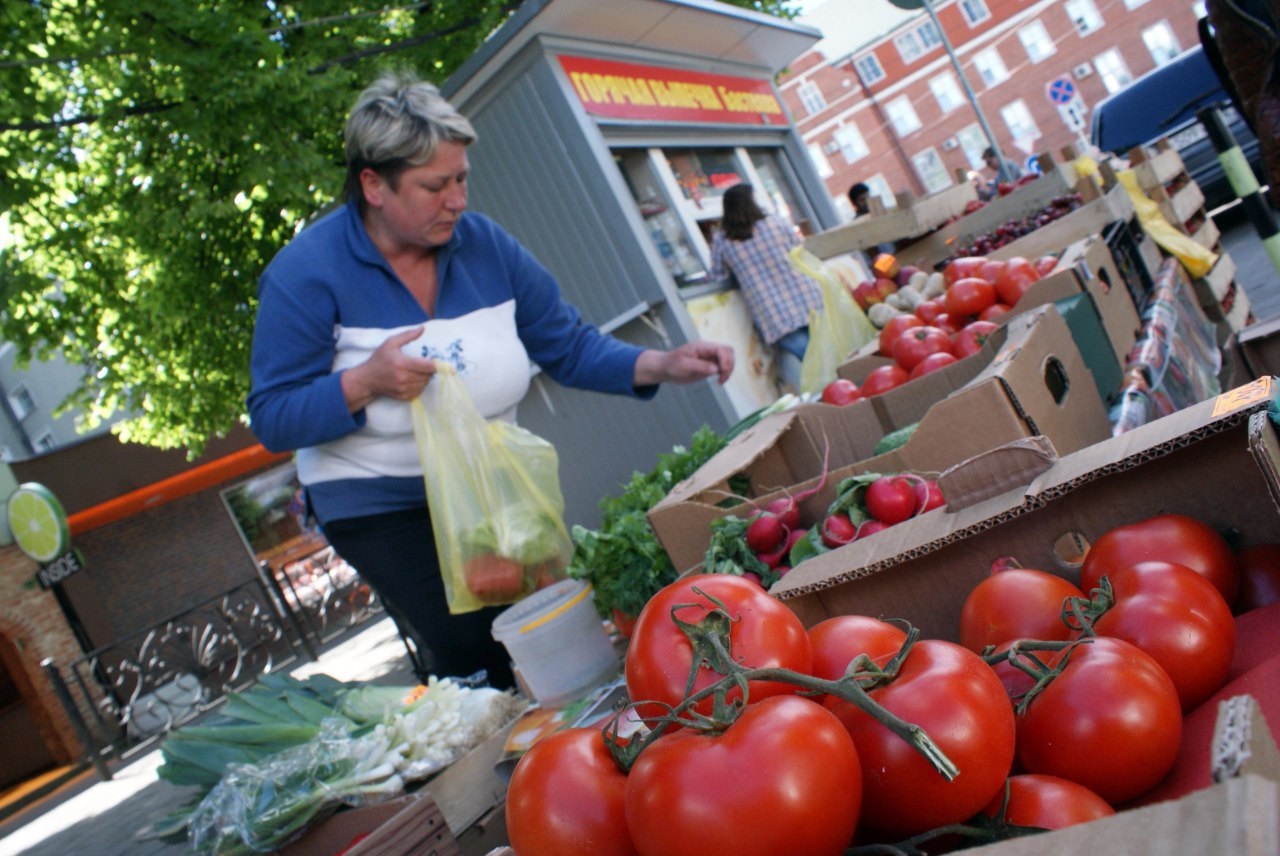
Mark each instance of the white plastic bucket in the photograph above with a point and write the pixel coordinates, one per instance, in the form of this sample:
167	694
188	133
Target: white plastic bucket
557	642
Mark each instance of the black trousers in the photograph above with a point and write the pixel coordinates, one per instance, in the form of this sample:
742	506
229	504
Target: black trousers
395	553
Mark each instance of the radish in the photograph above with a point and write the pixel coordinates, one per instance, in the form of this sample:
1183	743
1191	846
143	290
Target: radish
774	558
787	509
870	527
765	533
891	499
838	530
928	496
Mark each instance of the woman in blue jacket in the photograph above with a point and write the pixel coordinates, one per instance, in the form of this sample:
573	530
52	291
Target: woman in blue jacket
353	316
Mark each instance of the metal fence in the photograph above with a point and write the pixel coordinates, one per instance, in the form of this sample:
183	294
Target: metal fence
122	697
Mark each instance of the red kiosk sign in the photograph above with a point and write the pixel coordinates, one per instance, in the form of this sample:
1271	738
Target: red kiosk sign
622	90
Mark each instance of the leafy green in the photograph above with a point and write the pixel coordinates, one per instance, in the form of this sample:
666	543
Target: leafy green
523	533
728	552
623	560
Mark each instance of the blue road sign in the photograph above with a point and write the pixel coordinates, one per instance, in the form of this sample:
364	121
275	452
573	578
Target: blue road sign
1060	90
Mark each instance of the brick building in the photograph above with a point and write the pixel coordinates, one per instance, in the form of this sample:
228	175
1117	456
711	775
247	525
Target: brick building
889	109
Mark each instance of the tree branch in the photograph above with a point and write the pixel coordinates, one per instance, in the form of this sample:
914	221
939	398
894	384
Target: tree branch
86	119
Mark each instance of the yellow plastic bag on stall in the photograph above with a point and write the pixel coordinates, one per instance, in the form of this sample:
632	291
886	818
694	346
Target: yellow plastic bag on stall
834	333
1197	259
494	492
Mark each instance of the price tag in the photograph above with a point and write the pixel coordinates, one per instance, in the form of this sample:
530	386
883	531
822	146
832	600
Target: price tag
1262	389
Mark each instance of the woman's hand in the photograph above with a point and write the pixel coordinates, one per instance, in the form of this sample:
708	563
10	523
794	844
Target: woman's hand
692	361
388	373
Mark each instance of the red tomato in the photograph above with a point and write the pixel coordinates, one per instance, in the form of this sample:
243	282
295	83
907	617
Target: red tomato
764	632
1045	265
990	270
951	324
783	778
1259	577
917	343
969	296
994	312
895	327
840	392
838	640
972	337
1016	682
567	796
959	702
892	499
932	363
883	379
929	310
1180	619
1166	537
1019	603
1018	276
962	267
1048	802
1110	721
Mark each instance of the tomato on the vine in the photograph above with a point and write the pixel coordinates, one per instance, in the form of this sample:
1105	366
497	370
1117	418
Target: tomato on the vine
783	778
838	640
1018	603
1048	802
764	632
1110	720
1165	537
957	699
566	795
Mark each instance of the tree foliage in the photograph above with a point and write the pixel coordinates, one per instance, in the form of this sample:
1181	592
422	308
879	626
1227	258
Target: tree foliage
157	154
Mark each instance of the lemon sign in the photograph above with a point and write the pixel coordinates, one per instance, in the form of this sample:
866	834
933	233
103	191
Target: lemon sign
38	523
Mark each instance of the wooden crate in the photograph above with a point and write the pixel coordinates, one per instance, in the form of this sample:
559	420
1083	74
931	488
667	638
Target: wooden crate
913	217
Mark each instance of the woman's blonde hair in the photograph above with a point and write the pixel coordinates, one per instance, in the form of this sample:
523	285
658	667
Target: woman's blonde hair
398	122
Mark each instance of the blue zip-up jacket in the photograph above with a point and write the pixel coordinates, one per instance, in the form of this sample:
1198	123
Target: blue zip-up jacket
329	299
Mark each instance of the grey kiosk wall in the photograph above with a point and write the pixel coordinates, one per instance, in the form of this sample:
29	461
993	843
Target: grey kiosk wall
607	203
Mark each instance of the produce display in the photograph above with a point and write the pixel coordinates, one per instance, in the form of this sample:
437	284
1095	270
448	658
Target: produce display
1007	233
862	735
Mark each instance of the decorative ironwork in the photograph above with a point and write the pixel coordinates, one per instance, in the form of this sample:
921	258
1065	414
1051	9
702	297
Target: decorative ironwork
326	593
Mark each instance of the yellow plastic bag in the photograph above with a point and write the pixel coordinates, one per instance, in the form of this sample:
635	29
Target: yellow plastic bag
834	333
1198	260
494	493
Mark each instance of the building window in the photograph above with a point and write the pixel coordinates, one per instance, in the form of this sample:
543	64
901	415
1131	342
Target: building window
851	142
1018	118
820	162
915	43
22	403
879	187
1035	38
1111	67
931	170
990	67
973	142
1084	15
903	116
44	442
811	97
869	69
975	11
1161	42
947	91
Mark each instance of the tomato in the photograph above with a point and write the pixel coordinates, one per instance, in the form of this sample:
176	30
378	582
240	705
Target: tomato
1018	276
969	296
959	702
917	343
1048	802
783	778
1110	721
764	632
1180	619
566	795
951	324
1019	603
625	622
928	311
838	640
990	270
972	337
895	327
962	267
840	392
1167	537
884	378
994	312
1016	682
494	579
1045	265
1259	577
933	363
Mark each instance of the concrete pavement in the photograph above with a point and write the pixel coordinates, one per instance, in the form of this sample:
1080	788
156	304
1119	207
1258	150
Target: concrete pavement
91	817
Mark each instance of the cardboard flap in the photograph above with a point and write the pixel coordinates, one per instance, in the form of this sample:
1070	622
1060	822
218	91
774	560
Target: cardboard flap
1265	449
1242	741
996	471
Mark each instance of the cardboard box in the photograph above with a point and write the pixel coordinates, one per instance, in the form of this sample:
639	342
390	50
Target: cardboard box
1030	380
1236	816
911	218
1218	461
408	826
1258	346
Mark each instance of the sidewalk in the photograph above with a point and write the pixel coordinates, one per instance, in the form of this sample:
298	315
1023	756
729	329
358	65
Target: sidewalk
95	818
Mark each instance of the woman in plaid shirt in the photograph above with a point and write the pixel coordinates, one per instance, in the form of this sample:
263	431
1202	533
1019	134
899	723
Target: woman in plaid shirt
753	246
